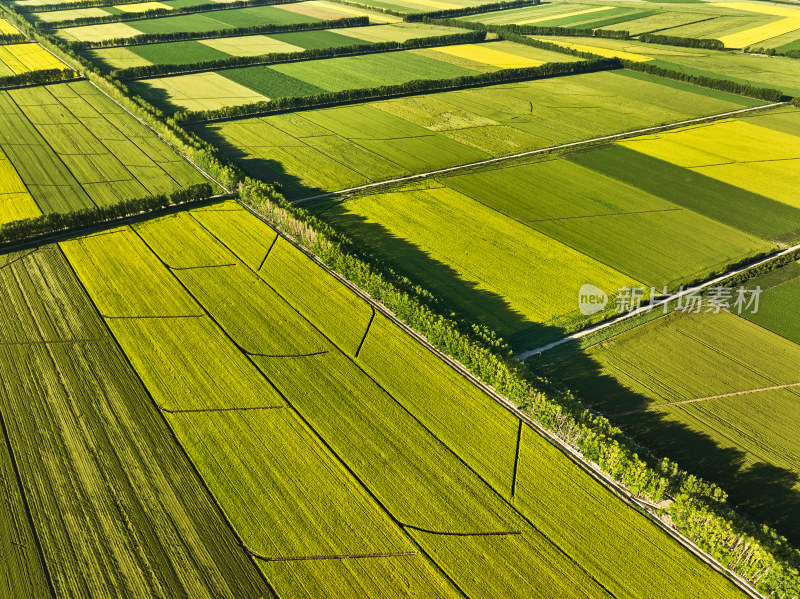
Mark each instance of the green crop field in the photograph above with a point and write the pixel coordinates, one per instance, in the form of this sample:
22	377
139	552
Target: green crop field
779	299
115	505
335	448
353	145
741	441
72	147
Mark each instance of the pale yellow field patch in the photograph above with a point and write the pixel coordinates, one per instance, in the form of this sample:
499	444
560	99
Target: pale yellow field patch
748	37
498	58
250	45
15	201
75	13
605	52
336	11
7	28
205	91
755	158
143	6
121	58
96	33
574	13
436	4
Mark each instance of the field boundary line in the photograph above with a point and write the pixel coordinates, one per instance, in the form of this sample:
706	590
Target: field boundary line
546	150
204	410
502	533
685	401
522	356
324	557
644	507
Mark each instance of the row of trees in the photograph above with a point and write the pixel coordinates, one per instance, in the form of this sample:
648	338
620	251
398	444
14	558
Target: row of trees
12	38
159	12
698	512
48	224
469	10
742	89
686	42
159	70
794	53
182	36
552	69
37	77
521	30
698	509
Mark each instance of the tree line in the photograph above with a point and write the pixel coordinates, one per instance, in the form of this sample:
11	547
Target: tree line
182	36
158	12
160	70
468	10
521	30
551	69
742	89
37	77
686	42
794	53
12	38
544	45
55	222
699	511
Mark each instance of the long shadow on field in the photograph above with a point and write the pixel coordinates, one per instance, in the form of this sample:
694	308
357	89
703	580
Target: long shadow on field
261	168
764	492
458	296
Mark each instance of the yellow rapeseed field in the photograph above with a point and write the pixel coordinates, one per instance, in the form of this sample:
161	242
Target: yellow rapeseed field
15	201
22	58
7	28
754	35
755	158
498	58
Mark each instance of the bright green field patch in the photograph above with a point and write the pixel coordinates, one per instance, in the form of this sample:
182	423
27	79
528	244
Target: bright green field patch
777	308
641	235
270	83
744	210
178	53
405	228
223	19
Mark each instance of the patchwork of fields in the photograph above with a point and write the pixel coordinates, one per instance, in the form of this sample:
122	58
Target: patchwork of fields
272	376
211	90
310	11
193	407
741	383
357	144
67	146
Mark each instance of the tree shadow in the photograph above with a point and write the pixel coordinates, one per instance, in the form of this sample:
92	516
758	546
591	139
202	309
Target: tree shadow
763	492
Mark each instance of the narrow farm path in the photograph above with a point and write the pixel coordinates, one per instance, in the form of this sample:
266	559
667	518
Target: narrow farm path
685	401
575	144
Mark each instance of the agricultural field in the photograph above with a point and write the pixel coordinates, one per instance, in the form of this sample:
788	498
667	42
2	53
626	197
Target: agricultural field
753	69
113	503
428	506
740	382
16	59
68	146
737	24
253	45
357	144
230	87
311	11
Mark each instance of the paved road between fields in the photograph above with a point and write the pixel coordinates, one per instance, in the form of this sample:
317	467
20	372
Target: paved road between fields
647	308
575	144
